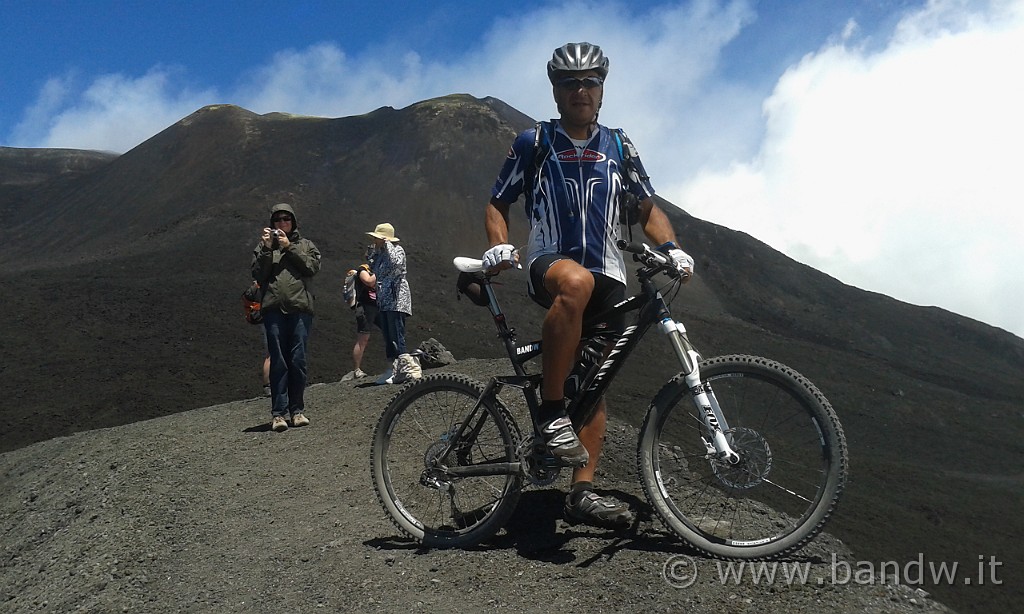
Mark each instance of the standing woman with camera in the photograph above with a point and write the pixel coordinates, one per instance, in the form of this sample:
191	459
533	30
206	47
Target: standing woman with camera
284	263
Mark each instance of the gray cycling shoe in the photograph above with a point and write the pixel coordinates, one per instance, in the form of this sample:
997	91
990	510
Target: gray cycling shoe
563	444
593	509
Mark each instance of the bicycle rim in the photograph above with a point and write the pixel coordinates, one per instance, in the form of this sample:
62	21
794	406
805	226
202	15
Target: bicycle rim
791	473
424	500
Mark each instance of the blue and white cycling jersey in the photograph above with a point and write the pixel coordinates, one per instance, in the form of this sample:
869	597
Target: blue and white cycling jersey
574	205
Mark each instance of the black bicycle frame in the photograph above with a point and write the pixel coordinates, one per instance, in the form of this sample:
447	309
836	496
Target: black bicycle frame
652	309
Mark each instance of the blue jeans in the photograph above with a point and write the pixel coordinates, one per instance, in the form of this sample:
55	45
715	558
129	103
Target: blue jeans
392	326
287	334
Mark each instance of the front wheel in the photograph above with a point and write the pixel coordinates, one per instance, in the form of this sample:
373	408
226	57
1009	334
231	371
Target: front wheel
792	460
448	476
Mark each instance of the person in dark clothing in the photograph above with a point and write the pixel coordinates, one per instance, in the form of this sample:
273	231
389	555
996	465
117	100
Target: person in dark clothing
284	262
366	316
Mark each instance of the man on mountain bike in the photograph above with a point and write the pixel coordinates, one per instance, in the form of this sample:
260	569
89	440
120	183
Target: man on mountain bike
574	175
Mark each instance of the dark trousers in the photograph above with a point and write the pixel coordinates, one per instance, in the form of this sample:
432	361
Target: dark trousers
392	327
287	334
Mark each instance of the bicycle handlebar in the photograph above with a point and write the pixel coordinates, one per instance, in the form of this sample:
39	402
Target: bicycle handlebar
637	248
649	257
641	251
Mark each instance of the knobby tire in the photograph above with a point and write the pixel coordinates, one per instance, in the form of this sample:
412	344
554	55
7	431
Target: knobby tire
793	460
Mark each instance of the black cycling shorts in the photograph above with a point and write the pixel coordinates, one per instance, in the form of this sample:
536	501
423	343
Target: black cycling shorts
366	317
607	293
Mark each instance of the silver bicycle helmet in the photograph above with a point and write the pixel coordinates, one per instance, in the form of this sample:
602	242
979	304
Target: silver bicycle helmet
573	57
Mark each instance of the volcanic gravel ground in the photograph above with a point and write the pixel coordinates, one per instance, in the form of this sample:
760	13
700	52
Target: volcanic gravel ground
210	511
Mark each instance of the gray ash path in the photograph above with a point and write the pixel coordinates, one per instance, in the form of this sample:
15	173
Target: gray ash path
209	511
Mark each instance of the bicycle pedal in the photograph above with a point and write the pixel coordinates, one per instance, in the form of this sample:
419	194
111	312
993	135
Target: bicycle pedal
550	462
570	463
541	458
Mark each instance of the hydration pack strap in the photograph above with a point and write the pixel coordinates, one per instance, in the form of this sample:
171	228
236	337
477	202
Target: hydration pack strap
629	204
542	145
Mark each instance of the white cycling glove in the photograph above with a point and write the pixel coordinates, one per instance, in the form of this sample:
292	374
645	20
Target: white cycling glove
682	260
503	252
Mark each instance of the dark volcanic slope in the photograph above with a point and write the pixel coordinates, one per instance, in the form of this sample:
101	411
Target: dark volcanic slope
30	167
124	282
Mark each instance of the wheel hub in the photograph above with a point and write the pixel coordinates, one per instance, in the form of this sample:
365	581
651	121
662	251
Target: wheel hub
755	460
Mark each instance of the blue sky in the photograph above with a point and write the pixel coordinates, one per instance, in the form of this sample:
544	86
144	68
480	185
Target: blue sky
875	140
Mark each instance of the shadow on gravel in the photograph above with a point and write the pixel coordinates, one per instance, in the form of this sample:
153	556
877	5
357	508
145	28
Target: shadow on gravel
259	428
536	531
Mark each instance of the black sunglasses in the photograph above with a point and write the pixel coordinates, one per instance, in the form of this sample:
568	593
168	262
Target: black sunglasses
572	83
282	218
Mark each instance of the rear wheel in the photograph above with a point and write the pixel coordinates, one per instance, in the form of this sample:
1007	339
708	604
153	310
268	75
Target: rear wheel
792	460
418	447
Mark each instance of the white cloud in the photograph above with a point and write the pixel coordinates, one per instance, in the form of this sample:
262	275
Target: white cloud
323	81
654	77
897	170
37	121
113	113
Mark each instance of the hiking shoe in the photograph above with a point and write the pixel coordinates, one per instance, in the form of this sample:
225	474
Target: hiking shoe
385	377
410	366
598	511
397	377
279	424
399	373
355	375
299	420
563	443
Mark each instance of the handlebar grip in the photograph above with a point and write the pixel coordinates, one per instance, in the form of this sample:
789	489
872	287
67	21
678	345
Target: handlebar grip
650	257
468	265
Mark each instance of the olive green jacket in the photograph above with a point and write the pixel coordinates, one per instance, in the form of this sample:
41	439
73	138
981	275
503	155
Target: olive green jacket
285	275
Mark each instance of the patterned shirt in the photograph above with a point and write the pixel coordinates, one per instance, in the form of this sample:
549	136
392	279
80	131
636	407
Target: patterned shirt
574	205
388	264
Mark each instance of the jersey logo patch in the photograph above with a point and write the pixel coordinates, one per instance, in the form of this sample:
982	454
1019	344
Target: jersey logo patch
588	155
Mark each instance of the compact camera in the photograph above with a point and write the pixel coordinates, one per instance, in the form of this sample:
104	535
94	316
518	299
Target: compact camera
277	233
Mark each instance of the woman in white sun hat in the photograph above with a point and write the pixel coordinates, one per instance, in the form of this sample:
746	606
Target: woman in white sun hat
394	302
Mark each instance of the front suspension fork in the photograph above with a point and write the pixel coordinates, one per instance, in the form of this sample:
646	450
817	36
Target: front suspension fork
703	397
